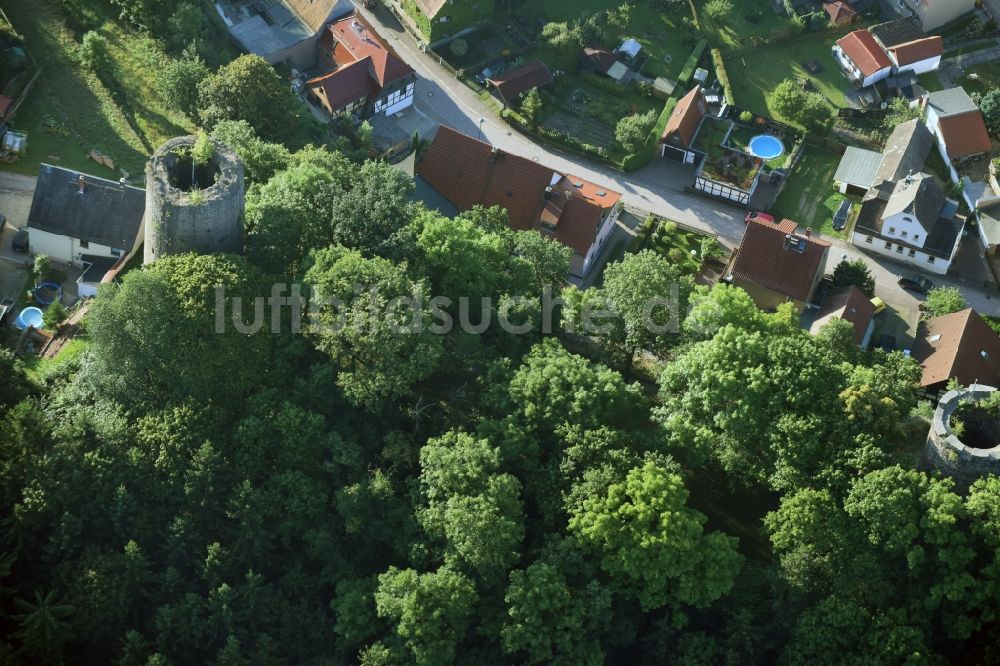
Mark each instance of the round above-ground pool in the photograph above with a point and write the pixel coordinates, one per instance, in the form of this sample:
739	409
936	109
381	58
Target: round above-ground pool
28	317
766	147
47	293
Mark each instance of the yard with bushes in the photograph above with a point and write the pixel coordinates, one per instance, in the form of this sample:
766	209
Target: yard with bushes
72	110
682	246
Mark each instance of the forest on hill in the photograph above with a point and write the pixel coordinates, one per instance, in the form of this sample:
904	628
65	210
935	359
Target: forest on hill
177	494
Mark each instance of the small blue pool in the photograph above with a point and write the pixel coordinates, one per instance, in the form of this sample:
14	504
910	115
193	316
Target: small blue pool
28	317
766	147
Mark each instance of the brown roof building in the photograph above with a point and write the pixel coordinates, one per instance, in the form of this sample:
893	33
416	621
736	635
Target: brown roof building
961	346
863	58
840	12
851	305
916	51
468	172
685	119
513	83
368	77
777	264
958	123
597	59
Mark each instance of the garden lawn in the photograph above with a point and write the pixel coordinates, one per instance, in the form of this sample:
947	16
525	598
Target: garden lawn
809	197
656	29
987	77
754	74
748	18
121	115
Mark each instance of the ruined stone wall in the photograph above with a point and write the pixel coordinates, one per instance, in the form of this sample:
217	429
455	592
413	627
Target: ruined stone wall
205	221
947	453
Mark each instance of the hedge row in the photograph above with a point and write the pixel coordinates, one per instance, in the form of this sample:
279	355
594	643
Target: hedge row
723	76
603	83
554	138
692	64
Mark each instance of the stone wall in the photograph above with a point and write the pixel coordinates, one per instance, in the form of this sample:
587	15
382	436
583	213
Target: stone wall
947	453
205	221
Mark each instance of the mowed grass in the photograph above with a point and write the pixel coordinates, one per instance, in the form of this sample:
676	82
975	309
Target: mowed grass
119	113
981	78
754	74
735	29
809	197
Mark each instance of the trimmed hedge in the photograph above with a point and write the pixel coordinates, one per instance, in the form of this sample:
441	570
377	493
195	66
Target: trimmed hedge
692	63
723	76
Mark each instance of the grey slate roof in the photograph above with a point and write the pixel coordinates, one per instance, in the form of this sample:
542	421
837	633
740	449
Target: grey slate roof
951	102
919	196
940	240
98	267
899	31
989	223
262	39
905	152
858	167
107	212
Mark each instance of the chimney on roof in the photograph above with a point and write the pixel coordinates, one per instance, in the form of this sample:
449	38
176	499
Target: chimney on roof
82	184
809	232
909	177
121	181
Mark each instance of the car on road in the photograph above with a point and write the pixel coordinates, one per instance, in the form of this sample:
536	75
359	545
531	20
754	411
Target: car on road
917	283
760	217
20	242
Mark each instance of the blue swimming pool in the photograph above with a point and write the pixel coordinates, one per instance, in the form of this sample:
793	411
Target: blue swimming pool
766	147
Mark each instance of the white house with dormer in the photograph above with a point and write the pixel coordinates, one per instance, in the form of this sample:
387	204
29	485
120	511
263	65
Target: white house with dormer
911	221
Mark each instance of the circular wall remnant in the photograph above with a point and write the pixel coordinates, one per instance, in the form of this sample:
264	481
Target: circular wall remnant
193	208
949	454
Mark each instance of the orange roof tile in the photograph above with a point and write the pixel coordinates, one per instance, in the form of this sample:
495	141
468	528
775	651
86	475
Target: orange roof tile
766	258
965	135
839	10
510	84
469	172
684	120
864	52
917	50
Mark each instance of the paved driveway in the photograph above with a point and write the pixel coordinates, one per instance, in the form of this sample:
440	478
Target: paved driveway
15	203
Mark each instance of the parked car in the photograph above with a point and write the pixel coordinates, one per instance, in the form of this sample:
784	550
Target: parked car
760	217
917	283
20	242
842	215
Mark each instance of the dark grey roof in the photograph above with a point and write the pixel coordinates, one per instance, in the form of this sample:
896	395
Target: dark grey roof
920	196
940	241
95	272
107	212
951	102
858	167
899	31
905	152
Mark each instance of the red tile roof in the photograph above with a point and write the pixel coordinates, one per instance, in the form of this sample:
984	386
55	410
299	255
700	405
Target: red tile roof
597	58
346	84
965	135
959	345
365	63
849	304
469	172
683	122
864	52
355	40
917	50
765	258
839	10
510	84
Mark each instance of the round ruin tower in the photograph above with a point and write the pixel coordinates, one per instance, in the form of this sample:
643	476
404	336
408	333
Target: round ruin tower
193	208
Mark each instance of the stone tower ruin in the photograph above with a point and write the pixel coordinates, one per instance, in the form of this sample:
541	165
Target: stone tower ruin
193	208
962	460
